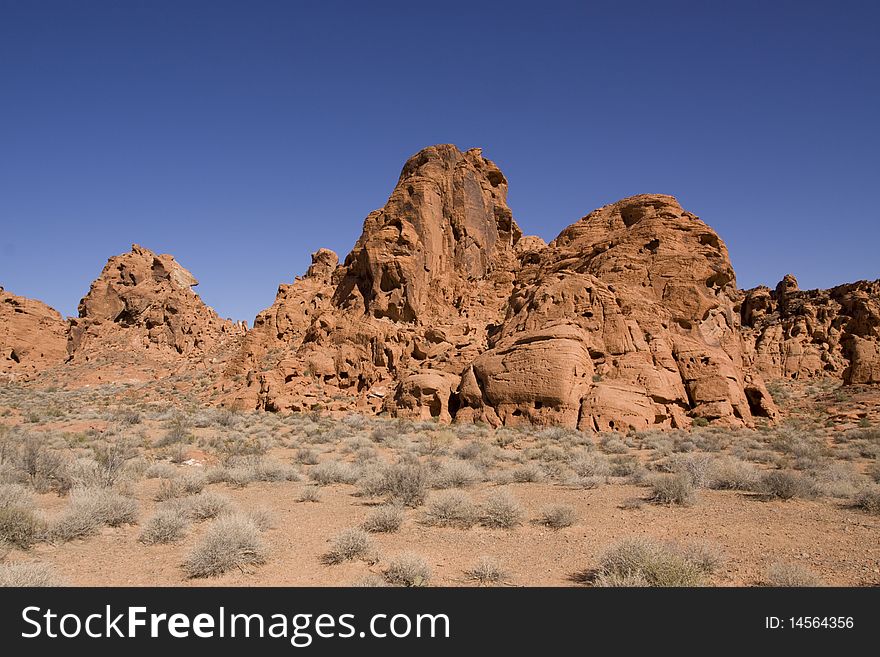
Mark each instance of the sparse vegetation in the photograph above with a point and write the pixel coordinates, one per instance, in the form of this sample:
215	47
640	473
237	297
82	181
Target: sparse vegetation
675	489
166	526
787	484
791	575
645	562
89	510
502	511
557	516
451	509
385	519
231	541
486	571
407	570
21	574
351	545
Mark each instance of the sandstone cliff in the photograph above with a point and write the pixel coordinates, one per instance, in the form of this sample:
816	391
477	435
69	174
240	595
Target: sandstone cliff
33	336
797	334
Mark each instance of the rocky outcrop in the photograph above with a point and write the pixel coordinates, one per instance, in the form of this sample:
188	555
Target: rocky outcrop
443	309
626	320
802	334
33	336
143	304
391	326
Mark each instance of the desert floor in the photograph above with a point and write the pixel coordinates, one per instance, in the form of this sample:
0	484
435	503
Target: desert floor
791	503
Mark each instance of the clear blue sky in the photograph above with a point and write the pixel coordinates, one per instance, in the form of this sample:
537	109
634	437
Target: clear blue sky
241	136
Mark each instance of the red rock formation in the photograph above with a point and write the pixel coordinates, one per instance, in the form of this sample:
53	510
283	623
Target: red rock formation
142	305
33	336
800	334
624	321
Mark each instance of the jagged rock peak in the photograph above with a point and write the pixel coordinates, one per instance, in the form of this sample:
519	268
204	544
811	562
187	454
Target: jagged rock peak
446	221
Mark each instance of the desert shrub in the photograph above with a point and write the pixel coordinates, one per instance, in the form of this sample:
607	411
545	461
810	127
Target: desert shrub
731	473
368	582
306	456
787	484
333	472
178	430
696	467
455	474
309	494
627	466
868	500
89	510
350	545
837	479
585	483
112	458
166	526
19	527
43	466
261	518
673	489
645	562
451	509
129	416
15	495
613	444
161	470
591	465
471	450
486	571
231	541
233	448
557	516
385	519
528	473
407	570
874	471
20	574
403	484
204	506
791	575
502	510
273	471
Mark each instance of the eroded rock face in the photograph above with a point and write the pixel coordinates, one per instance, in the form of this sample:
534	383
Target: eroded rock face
799	334
33	336
144	303
391	326
626	320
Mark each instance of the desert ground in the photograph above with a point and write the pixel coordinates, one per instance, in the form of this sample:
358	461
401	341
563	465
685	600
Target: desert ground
111	486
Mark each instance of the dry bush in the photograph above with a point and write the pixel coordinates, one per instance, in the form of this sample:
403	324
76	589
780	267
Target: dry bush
455	474
645	562
486	571
675	489
306	456
351	545
529	473
20	527
696	467
731	473
334	472
502	510
868	500
791	575
402	484
22	574
590	465
89	510
787	484
161	470
385	519
204	506
451	509
407	570
231	541
557	516
166	526
309	494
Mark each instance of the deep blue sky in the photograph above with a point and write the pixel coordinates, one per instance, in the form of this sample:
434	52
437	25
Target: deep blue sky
241	136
